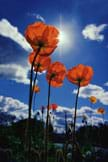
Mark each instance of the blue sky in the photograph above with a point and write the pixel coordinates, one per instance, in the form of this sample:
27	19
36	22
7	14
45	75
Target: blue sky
85	24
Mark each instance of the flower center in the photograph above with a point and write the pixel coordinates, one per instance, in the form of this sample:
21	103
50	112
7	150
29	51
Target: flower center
52	75
80	80
40	43
37	65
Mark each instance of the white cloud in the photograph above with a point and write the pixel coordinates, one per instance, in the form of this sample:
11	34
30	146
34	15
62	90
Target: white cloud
80	112
94	90
16	68
93	32
13	60
96	120
84	110
14	72
12	106
63	109
10	31
106	84
17	108
59	129
88	112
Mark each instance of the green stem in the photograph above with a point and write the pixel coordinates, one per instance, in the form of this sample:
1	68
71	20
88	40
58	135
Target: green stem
47	124
74	123
28	144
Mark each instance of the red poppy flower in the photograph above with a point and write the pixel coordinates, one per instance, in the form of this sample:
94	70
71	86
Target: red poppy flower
93	99
41	63
101	110
80	74
53	106
42	36
56	74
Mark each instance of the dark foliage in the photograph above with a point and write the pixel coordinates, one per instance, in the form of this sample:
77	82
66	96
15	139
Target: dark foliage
12	140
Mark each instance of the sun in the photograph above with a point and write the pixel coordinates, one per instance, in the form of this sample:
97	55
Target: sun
63	37
66	37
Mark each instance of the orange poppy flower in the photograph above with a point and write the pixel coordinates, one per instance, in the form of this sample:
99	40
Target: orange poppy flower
56	74
101	110
53	106
80	74
36	89
41	63
93	99
42	36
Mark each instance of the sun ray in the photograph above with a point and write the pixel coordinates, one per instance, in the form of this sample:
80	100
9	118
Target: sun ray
65	36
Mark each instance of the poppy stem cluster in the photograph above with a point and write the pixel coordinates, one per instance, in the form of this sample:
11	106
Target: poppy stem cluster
35	88
80	75
31	83
28	142
55	76
43	40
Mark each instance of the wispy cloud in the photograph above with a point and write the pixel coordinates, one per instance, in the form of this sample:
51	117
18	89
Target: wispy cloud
14	50
94	90
93	32
37	16
10	31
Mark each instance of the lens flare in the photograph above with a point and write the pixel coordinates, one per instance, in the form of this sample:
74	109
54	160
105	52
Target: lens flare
62	38
66	37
